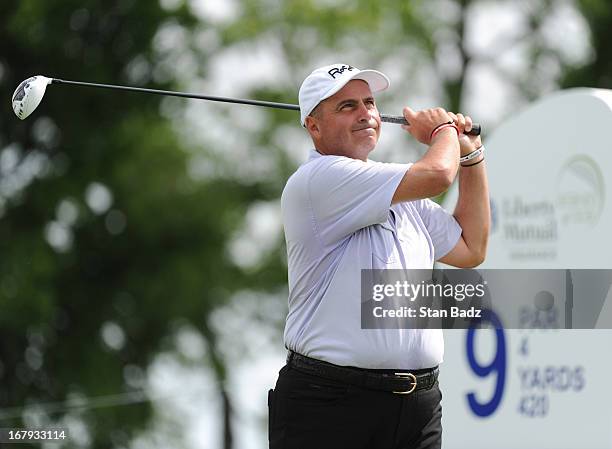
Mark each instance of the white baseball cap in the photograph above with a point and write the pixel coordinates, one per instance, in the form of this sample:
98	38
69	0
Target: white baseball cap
325	81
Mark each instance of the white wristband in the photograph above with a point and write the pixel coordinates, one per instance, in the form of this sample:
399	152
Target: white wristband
472	155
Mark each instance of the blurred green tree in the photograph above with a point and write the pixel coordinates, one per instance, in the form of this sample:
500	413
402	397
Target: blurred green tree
106	241
597	72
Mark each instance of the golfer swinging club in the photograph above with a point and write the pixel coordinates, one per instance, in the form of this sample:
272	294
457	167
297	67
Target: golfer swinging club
343	386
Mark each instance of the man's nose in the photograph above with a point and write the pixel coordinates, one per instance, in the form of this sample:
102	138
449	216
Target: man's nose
364	112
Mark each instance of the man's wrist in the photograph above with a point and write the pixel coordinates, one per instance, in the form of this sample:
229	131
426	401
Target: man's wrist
466	151
473	162
444	129
471	155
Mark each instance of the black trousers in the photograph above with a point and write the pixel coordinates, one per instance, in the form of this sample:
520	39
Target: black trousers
310	412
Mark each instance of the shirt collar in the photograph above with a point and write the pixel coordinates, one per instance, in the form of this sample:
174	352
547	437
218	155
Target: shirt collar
313	154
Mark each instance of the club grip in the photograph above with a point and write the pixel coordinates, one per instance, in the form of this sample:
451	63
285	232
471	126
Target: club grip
400	120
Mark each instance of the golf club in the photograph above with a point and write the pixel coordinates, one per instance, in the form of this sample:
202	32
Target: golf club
29	93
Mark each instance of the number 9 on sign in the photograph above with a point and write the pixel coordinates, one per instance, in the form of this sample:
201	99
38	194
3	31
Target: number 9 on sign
496	367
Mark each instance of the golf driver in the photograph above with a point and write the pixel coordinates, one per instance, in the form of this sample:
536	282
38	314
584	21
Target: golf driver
29	93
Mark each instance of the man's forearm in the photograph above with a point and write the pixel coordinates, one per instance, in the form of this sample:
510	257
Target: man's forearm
434	172
473	211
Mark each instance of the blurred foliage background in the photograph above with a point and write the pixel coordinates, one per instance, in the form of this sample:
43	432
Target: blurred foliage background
142	262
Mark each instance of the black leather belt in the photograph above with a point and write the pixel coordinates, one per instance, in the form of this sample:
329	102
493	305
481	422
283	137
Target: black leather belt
394	381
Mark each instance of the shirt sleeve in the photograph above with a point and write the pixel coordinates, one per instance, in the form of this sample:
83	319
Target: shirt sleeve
441	226
348	194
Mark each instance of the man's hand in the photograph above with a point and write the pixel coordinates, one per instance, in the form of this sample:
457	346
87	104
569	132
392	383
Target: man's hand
422	123
467	144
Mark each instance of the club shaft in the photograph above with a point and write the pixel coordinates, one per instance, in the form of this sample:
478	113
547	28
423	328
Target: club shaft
398	119
269	104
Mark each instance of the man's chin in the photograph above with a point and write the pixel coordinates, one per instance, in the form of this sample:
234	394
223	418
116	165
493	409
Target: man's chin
369	144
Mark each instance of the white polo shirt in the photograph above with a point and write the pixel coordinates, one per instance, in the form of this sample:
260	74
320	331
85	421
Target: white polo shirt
338	220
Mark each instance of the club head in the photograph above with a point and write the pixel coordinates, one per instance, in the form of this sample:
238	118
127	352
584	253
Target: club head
28	95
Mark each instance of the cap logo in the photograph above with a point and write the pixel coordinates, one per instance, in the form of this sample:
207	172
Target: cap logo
339	71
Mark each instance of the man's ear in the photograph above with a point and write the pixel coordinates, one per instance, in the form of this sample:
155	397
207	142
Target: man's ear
312	125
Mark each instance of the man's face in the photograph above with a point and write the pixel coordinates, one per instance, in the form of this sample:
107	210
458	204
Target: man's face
347	123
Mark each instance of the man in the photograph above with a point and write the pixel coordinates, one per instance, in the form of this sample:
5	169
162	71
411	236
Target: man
343	386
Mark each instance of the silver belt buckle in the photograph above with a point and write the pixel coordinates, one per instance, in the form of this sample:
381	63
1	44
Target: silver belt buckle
407	376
